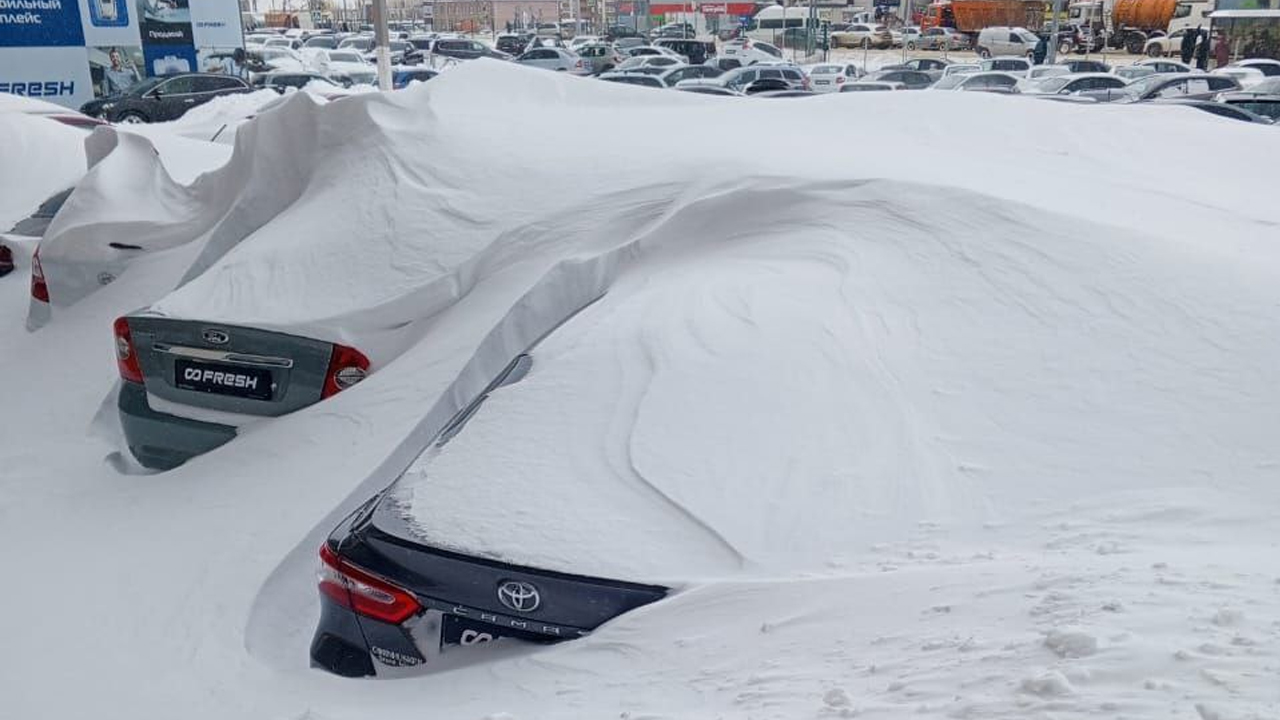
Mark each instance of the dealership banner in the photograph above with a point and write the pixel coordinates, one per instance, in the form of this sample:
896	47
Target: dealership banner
71	51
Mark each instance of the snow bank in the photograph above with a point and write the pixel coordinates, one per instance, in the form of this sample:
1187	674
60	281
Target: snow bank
40	157
790	373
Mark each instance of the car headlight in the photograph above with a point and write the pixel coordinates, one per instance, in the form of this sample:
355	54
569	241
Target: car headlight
106	106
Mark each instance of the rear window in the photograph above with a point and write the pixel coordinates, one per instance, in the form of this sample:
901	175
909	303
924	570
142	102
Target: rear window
827	69
1269	108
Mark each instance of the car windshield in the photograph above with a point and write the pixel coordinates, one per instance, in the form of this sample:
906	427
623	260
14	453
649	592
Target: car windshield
346	57
949	82
141	87
357	43
1268	108
826	70
1144	84
275	53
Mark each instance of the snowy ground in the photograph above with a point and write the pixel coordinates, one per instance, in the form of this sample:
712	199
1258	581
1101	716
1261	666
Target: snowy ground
190	594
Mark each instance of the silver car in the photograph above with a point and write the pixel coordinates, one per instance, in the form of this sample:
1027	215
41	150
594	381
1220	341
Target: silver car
555	58
186	385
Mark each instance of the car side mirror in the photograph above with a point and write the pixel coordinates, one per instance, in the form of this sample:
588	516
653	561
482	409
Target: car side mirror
157	93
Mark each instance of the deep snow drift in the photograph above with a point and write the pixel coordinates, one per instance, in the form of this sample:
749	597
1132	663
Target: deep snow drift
1051	486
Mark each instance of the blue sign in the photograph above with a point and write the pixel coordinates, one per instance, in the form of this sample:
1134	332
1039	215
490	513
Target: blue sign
40	23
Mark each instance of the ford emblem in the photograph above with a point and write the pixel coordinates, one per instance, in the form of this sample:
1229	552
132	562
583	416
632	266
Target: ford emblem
216	337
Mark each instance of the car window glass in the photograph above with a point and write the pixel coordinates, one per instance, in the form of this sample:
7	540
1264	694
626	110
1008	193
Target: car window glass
1177	89
1217	83
775	74
1198	85
176	86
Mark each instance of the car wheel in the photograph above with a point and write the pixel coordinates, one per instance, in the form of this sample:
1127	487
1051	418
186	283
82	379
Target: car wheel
1153	50
1134	45
911	46
866	42
984	53
132	118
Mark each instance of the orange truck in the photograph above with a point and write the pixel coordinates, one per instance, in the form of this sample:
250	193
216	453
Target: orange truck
970	16
1130	24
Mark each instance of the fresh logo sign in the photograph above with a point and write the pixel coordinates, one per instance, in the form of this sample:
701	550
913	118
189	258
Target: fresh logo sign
48	88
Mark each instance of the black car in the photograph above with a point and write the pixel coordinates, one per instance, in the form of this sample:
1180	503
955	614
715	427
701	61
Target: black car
698	51
1231	112
1086	66
388	599
464	49
1256	103
913	79
163	98
280	81
511	44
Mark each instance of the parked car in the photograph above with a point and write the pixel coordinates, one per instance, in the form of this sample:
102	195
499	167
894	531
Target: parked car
927	65
361	43
282	81
908	37
1266	66
1040	72
6	260
399	51
1267	105
696	52
830	77
871	86
1246	76
1133	72
599	57
1003	40
997	82
190	367
863	35
1085	66
163	98
1229	111
629	78
34	225
1171	44
673	75
325	42
402	76
346	66
1072	84
943	38
464	49
739	79
511	44
1165	66
748	51
1007	63
554	58
640	61
911	79
709	90
1188	86
779	93
961	69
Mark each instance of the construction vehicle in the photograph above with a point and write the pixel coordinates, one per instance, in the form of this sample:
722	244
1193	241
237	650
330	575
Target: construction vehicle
1129	24
971	16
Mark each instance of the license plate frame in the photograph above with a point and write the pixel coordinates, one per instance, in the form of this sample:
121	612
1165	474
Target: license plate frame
223	379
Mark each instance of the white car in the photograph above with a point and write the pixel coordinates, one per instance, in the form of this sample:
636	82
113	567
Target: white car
1072	84
1006	63
1267	66
748	51
1039	72
648	61
863	35
1247	76
830	78
961	69
580	40
908	37
1165	66
1000	82
283	59
1171	44
349	64
555	58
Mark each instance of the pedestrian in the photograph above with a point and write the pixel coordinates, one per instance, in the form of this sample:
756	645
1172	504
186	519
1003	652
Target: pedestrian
1202	51
1222	52
1042	50
1189	45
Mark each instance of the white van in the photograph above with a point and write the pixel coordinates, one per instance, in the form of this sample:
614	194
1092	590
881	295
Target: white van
1001	40
769	24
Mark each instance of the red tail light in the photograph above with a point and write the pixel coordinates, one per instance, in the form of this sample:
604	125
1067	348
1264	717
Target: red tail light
839	79
126	353
362	592
805	83
347	366
39	289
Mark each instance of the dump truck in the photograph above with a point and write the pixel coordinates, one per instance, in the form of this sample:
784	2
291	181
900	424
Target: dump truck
1129	24
970	16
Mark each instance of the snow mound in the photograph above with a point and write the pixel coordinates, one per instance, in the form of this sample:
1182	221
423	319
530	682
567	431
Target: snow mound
789	373
40	157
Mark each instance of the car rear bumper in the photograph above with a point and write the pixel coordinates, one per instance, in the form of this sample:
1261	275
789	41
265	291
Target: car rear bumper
453	591
161	441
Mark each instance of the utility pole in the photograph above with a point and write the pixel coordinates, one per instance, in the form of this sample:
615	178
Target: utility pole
1052	56
382	42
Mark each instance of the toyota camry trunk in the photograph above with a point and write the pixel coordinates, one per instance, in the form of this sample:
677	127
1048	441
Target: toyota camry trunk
188	384
389	601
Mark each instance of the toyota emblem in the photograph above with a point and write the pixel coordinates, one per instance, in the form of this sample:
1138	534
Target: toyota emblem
519	596
216	337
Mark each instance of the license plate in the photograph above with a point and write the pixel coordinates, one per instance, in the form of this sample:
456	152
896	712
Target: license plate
823	82
219	379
